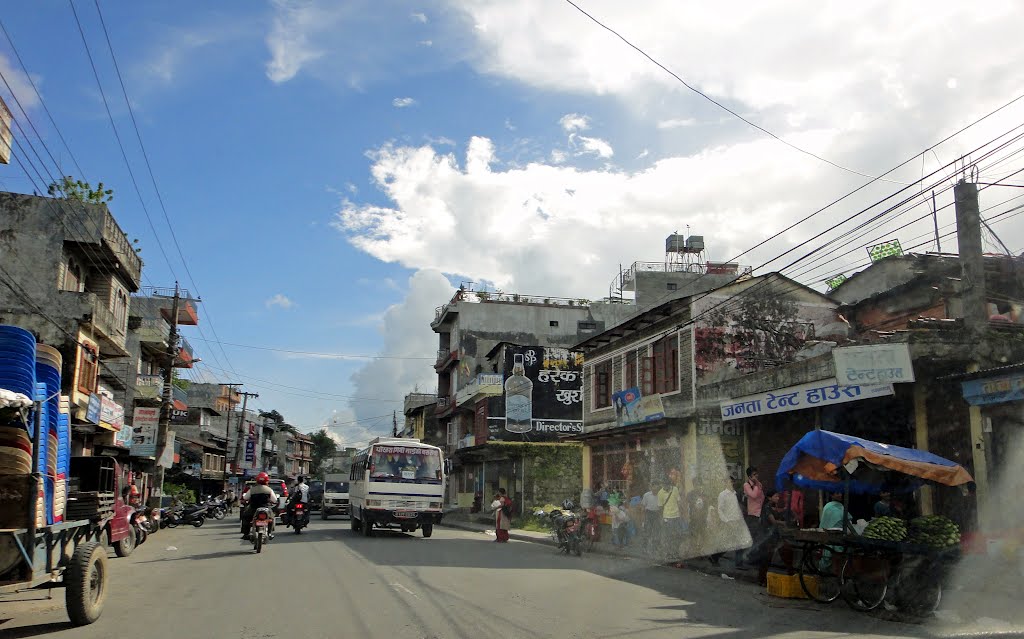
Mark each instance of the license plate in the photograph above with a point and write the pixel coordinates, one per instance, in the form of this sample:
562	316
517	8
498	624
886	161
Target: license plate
404	514
262	524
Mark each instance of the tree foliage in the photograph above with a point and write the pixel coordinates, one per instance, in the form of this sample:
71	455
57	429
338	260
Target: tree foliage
323	449
81	191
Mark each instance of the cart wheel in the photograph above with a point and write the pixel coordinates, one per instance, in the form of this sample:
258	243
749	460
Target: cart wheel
867	584
125	547
86	581
818	574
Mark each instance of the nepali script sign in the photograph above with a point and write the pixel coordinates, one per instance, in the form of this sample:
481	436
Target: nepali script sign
824	393
873	364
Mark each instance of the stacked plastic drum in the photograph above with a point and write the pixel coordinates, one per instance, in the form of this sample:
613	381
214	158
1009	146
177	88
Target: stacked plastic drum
48	366
18	387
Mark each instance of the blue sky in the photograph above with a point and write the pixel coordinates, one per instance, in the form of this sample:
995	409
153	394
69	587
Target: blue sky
332	169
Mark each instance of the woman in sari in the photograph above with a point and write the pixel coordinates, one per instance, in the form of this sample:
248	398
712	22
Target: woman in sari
502	507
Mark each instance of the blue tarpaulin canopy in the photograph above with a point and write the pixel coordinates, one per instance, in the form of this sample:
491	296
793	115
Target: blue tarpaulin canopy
815	460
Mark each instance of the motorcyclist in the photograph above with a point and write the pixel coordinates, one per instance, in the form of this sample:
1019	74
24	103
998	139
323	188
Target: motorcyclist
300	494
261	494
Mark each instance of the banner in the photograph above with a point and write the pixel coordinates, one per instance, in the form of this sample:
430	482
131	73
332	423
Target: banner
873	364
633	408
111	414
824	393
92	413
145	422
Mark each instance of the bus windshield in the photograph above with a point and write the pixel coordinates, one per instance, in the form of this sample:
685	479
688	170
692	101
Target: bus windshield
406	464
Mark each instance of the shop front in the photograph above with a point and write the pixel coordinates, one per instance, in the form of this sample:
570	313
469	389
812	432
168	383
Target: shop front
629	459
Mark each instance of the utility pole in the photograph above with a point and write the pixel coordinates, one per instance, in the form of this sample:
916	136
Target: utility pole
975	313
935	220
241	419
167	403
394	423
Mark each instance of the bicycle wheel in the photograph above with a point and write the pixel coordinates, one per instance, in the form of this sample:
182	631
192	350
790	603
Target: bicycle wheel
818	577
867	580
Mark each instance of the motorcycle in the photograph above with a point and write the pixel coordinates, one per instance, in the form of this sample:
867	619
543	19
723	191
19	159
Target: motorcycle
170	517
297	516
262	520
566	530
195	515
216	508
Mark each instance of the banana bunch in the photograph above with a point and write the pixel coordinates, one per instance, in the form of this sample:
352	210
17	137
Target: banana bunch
886	529
935	531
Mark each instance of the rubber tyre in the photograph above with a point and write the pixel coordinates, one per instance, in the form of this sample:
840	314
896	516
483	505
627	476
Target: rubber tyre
125	547
353	523
323	515
172	523
257	543
86	581
104	538
428	530
810	572
860	593
140	537
298	529
198	523
218	514
367	527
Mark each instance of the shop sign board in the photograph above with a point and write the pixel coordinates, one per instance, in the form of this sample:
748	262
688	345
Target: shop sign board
823	393
873	364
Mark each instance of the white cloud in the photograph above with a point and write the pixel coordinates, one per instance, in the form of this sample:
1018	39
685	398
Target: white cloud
406	333
643	154
427	43
595	146
418	17
558	157
676	123
401	103
20	85
573	122
280	301
291	39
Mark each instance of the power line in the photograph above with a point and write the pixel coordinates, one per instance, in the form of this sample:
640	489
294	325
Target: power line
323	355
719	104
156	188
312	391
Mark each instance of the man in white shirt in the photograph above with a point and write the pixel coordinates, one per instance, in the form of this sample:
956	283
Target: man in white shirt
729	514
652	515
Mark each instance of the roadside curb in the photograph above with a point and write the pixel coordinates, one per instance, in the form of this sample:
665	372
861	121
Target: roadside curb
709	571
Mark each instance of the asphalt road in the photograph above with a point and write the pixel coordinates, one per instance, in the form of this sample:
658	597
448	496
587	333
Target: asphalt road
330	582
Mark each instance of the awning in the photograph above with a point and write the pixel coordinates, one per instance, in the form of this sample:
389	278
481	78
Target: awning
815	460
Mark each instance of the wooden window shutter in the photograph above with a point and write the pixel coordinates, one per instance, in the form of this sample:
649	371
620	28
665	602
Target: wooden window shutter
647	376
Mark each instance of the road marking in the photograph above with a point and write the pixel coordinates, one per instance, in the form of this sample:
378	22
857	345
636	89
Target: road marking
404	589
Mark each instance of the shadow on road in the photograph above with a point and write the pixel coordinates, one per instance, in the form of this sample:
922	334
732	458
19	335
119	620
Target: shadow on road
35	631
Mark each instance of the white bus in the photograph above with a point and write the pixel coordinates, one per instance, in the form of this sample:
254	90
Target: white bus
397	483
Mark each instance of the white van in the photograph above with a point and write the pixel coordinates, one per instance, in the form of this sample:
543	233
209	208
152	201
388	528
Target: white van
335	501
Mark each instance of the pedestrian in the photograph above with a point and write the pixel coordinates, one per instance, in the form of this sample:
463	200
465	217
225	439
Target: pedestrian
774	518
794	500
671	516
832	513
730	519
502	507
620	525
753	493
697	515
651	517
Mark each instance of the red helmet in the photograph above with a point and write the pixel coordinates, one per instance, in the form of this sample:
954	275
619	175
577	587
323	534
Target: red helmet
263	478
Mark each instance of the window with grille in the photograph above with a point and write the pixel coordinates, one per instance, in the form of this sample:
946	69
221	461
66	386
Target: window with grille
603	384
88	368
666	364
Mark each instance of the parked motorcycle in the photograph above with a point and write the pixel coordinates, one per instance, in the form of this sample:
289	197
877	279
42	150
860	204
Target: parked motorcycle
297	517
566	530
195	515
170	517
262	520
216	508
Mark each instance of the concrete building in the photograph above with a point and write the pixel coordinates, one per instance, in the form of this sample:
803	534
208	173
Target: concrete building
641	378
295	452
421	420
74	271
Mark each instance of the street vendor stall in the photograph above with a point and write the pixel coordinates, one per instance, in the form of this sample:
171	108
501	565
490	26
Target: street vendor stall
890	559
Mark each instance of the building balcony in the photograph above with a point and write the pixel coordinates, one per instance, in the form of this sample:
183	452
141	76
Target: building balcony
466	442
485	385
98	228
446	358
153	334
110	329
148	387
186	356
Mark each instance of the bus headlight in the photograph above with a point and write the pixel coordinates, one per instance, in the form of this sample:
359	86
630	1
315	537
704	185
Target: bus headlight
435	504
373	502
